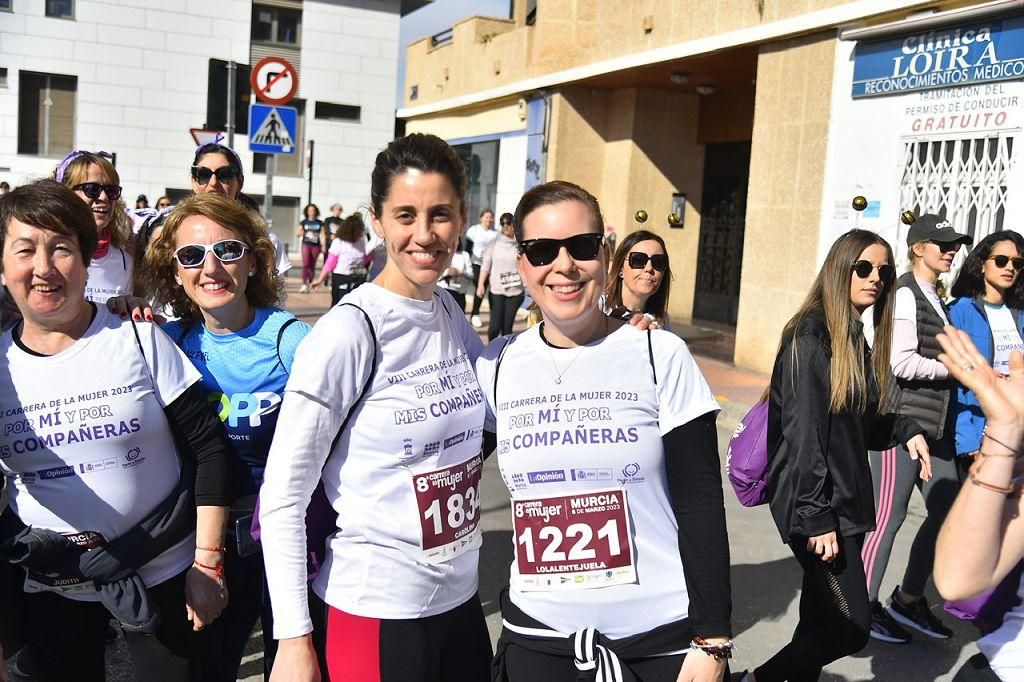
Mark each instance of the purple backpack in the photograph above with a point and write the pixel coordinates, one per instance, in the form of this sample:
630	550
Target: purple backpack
747	458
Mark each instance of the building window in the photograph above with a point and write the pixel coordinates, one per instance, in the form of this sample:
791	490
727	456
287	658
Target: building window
328	111
414	92
61	9
46	113
963	179
276	25
5	5
3	77
531	12
481	159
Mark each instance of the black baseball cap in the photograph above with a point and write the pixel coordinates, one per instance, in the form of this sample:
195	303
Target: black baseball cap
141	197
932	228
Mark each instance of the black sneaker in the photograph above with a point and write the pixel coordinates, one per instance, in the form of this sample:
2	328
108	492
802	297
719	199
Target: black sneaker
23	667
919	616
884	628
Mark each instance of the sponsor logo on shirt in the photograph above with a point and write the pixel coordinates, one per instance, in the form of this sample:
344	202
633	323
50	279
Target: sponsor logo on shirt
592	474
251	407
454	440
475	432
431	449
518	482
56	472
550	476
97	465
132	458
631	474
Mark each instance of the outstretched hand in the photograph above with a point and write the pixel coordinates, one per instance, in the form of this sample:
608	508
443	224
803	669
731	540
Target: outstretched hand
1001	398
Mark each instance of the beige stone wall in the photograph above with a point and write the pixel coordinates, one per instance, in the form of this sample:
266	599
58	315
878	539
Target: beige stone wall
570	33
499	116
787	169
633	148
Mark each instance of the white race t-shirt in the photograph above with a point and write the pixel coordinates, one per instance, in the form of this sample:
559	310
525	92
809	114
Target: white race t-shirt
423	414
481	238
1005	336
109	276
282	263
84	442
1004	648
351	257
591	448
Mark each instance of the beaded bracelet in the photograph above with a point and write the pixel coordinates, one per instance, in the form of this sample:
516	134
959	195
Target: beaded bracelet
218	571
213	549
718	651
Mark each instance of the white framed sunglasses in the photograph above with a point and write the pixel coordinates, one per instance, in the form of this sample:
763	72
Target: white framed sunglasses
226	251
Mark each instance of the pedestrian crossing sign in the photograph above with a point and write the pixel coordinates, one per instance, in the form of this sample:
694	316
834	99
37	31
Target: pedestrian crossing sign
272	129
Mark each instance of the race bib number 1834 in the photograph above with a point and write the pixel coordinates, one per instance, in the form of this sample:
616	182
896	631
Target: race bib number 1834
449	507
573	542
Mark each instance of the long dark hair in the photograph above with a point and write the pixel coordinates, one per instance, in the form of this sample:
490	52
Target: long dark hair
830	294
657	304
971	280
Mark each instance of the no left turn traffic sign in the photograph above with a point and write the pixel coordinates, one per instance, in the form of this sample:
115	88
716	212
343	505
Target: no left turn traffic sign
274	80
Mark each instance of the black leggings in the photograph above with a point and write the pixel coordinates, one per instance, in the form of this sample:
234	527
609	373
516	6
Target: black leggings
344	284
976	669
477	300
835	616
503	314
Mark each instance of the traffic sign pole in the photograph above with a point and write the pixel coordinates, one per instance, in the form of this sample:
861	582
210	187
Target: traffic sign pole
268	197
230	123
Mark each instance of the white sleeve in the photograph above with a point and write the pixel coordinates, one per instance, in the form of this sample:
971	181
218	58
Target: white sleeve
488	256
905	307
282	264
683	393
323	387
171	370
485	377
470	337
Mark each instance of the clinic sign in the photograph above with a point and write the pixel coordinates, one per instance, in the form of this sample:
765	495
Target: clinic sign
941	58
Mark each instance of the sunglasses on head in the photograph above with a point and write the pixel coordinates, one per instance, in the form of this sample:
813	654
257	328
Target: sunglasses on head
94	189
225	174
863	268
226	251
580	247
638	261
1001	261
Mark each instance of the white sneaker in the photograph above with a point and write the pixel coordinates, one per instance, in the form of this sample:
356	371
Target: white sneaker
476	321
304	289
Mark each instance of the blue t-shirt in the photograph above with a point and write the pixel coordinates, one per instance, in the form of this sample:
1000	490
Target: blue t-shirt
245	378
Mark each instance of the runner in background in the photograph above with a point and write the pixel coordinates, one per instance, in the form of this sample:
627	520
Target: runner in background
922	391
391	418
606	440
314	240
824	413
637	280
333	221
457	278
479	237
96	182
505	288
346	259
214	265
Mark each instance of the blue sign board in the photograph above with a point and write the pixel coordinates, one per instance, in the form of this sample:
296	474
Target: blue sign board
941	58
272	129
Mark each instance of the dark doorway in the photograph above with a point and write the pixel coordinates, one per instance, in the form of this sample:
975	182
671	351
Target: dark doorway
723	214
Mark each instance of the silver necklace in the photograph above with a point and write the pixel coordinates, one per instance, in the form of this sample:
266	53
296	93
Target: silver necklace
579	351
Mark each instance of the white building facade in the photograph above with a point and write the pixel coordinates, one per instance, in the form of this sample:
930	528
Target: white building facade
132	77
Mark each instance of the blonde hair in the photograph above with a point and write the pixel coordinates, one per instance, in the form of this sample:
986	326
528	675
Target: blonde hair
830	293
158	281
120	225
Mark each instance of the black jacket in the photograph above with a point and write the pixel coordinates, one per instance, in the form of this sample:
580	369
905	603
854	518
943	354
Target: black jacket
818	475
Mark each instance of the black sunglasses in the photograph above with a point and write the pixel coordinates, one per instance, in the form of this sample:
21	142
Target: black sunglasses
863	268
94	189
226	250
946	247
580	247
638	261
1001	261
225	174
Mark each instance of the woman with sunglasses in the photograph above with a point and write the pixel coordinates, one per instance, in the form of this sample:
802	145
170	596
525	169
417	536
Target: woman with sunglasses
639	268
922	391
95	180
127	482
499	274
391	419
989	299
824	412
606	439
213	264
314	240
